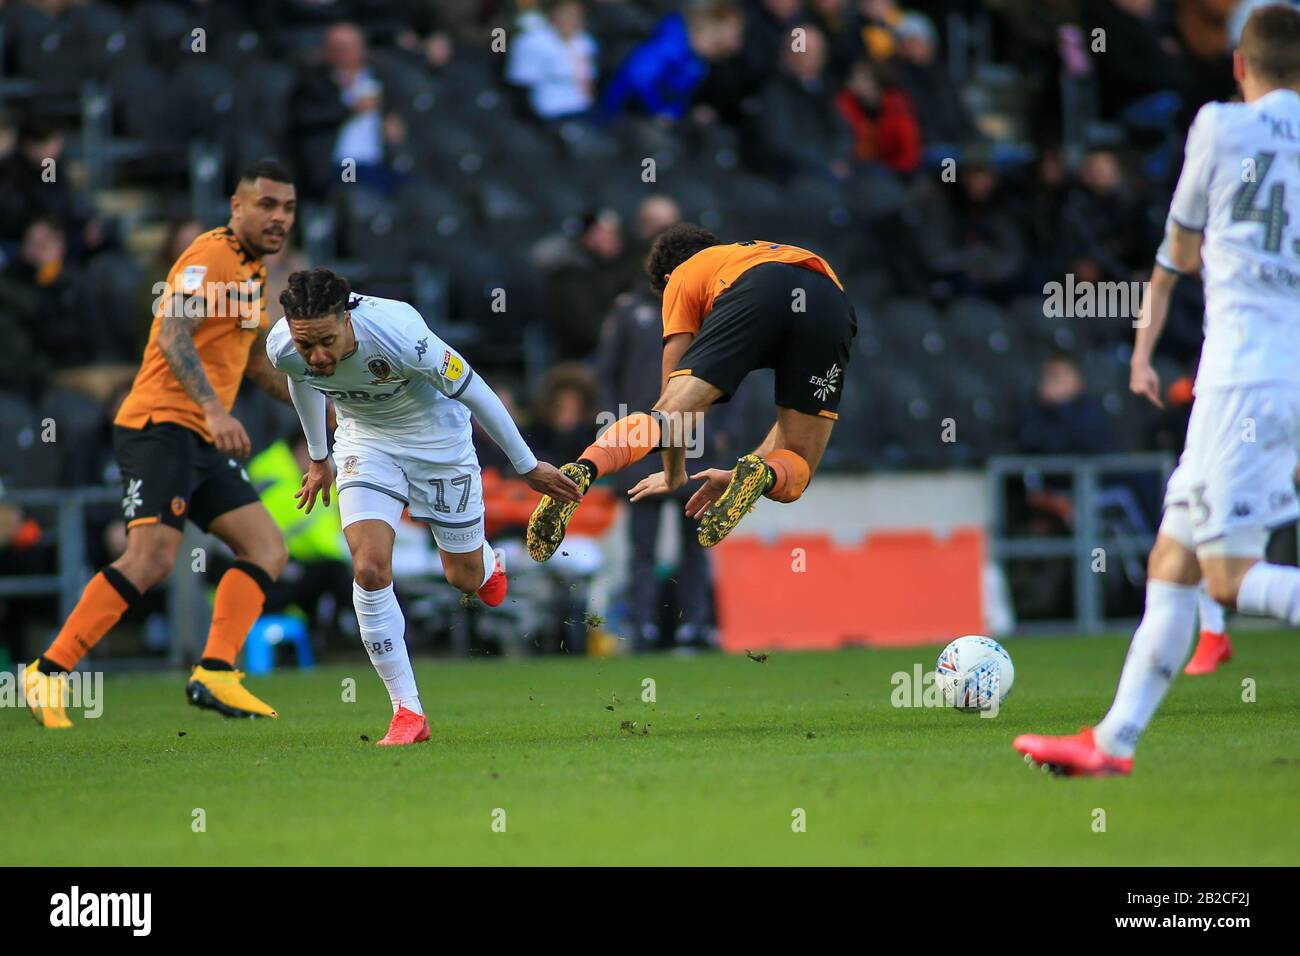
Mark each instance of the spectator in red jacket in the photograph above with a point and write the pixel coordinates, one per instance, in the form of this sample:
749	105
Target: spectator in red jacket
884	124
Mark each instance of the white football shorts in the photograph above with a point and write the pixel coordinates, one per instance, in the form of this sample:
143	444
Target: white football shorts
441	487
1237	469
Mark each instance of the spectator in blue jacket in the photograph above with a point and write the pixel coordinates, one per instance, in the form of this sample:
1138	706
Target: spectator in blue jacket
660	75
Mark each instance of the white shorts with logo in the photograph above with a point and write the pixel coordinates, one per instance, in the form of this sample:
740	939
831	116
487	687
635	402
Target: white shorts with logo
439	486
1237	470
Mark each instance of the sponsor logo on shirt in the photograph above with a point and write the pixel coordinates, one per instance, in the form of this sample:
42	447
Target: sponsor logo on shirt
452	367
132	499
825	384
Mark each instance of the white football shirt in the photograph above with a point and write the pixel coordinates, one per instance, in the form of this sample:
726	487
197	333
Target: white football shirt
400	382
1240	186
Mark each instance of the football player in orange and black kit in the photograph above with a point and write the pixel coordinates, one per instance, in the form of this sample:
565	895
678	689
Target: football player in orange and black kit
179	449
728	308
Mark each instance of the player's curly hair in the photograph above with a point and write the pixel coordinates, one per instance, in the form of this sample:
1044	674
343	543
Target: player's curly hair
313	293
674	246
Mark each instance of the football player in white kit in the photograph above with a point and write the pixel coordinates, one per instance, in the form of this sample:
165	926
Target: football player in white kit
1237	208
403	399
1215	644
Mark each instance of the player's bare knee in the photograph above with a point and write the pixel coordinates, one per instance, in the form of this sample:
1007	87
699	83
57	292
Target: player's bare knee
270	555
151	569
148	564
273	558
1221	586
372	571
1172	561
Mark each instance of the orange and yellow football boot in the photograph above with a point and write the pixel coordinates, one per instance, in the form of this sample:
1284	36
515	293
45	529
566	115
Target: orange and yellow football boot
550	518
749	481
224	692
46	696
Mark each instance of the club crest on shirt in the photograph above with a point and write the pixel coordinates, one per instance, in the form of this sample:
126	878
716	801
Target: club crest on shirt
192	279
381	370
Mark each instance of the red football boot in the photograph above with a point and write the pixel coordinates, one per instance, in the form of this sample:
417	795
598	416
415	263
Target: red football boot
1213	650
1076	756
494	591
407	727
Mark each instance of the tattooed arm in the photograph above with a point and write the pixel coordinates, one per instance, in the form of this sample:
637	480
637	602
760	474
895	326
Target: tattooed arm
263	374
176	340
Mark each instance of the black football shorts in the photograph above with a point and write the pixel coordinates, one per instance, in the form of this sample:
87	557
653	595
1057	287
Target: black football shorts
170	474
793	320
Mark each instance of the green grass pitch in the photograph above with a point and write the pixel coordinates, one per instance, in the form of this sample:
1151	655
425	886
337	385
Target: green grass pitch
711	773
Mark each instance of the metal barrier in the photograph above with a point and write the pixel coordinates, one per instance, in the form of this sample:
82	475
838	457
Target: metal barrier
184	602
1086	474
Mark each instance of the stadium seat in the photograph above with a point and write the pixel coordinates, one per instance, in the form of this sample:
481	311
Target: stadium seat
264	88
106	38
371	227
26	461
980	325
205	91
271	631
583	140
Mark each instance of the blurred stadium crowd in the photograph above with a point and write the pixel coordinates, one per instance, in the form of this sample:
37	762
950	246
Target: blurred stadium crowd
503	164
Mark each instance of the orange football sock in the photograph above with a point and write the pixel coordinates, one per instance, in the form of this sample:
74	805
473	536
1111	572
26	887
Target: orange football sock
625	442
103	602
241	594
792	474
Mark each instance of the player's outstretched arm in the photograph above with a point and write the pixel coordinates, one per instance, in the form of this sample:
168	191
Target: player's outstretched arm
673	452
176	341
716	479
263	374
311	408
492	414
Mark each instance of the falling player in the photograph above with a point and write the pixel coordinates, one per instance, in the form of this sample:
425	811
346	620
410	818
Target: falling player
404	400
1237	193
179	449
727	309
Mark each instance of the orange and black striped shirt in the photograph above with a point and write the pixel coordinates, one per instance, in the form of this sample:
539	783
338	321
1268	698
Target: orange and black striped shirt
696	283
220	279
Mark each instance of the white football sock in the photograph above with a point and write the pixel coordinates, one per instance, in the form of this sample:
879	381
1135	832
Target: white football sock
1159	648
383	632
1271	590
489	562
1211	611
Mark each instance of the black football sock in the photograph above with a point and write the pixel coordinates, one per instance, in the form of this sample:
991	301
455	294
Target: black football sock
48	667
213	664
